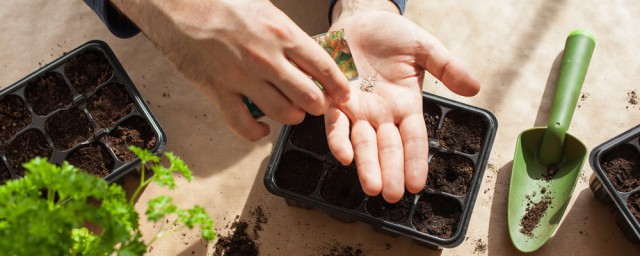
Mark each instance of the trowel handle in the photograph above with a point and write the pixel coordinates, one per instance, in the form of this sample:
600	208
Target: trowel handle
575	62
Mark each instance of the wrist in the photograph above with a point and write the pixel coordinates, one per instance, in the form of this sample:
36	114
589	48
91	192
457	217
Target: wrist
344	8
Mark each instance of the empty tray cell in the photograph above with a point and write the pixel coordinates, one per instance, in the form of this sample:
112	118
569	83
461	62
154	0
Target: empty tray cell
25	147
14	116
298	172
88	70
110	104
68	128
5	175
432	115
310	135
47	93
463	131
437	215
621	164
134	131
450	173
398	212
93	158
342	187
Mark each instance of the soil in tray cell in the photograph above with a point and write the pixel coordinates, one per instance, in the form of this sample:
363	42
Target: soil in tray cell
622	166
14	116
298	172
110	104
437	215
398	212
463	131
25	147
432	116
310	135
68	128
134	131
47	93
341	186
93	158
88	70
5	175
450	173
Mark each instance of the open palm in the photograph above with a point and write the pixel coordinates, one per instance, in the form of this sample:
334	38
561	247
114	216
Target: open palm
382	125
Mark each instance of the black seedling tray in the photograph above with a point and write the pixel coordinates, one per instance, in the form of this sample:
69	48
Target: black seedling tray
81	108
303	171
616	178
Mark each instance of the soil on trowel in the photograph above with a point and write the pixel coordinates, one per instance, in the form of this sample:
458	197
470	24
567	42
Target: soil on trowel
534	213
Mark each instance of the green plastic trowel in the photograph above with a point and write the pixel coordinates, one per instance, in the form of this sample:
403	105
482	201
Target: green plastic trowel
548	160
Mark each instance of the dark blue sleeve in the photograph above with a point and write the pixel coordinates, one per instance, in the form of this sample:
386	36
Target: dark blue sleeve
116	22
401	4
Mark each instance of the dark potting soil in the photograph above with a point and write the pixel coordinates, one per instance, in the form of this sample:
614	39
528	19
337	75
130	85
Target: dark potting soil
437	215
93	158
298	172
47	93
68	128
450	173
341	250
622	166
88	70
133	131
634	205
237	242
463	131
398	212
14	116
110	104
432	115
534	212
311	135
260	217
341	186
5	175
25	147
551	171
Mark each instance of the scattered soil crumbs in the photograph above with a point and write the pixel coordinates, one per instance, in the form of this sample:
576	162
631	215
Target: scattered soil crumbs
237	242
551	171
260	218
535	212
341	250
481	247
633	97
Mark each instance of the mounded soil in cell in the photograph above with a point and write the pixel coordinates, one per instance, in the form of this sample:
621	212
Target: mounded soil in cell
398	212
134	131
622	166
68	128
437	215
25	147
450	173
341	187
311	135
14	116
634	205
298	172
93	158
5	175
432	116
88	70
47	93
110	104
463	131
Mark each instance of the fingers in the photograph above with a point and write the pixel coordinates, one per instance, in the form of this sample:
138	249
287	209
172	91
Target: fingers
275	105
316	62
391	162
436	59
237	117
416	152
337	127
300	89
365	147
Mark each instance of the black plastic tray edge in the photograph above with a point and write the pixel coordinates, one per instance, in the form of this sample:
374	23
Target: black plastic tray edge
124	78
631	223
451	242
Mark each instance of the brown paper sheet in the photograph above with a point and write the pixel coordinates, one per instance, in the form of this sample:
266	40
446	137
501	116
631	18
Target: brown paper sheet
511	46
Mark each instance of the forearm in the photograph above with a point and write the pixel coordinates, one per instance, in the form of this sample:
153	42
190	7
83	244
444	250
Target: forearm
344	8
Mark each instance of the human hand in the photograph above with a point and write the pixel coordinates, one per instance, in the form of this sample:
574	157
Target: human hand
231	49
388	135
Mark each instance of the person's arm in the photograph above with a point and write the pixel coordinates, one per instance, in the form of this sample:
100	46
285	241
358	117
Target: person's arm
382	127
116	22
